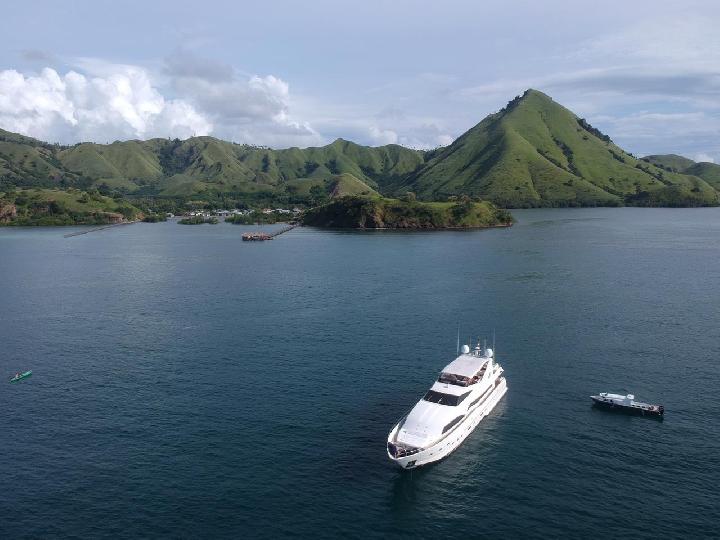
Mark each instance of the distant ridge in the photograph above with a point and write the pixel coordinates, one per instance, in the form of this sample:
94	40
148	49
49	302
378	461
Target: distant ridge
710	172
533	152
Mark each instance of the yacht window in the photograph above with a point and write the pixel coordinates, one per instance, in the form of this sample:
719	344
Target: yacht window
451	424
444	399
479	398
450	378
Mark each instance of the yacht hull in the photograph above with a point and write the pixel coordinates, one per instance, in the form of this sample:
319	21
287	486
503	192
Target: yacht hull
455	438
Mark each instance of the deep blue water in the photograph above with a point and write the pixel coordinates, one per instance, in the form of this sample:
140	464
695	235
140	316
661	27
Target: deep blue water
187	384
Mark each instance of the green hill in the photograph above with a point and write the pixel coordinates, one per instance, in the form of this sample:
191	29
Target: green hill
346	184
710	172
205	165
380	213
534	152
119	160
25	161
670	162
62	207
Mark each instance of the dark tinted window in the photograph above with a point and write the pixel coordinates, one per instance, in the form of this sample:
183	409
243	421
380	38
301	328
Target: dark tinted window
451	424
479	398
445	399
457	380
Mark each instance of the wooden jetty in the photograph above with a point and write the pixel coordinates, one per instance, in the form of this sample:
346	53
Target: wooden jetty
261	236
78	233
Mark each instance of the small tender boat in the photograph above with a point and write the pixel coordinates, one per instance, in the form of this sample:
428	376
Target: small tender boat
626	403
20	376
256	237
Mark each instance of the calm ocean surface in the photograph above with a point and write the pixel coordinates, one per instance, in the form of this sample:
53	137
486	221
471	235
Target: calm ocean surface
187	384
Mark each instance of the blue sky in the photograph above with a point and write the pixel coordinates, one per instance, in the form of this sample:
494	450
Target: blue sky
304	73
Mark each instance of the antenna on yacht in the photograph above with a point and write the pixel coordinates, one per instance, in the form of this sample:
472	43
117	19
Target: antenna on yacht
494	354
457	351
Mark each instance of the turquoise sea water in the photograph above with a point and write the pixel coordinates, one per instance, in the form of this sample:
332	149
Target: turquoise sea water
186	384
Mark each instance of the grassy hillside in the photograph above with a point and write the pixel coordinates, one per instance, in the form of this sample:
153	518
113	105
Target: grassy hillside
207	167
129	160
710	172
336	186
670	162
534	152
62	207
346	184
382	213
25	161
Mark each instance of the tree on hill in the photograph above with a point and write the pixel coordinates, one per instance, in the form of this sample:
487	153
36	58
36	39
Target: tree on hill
318	196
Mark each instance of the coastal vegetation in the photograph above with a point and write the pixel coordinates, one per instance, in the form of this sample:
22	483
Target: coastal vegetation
62	207
199	220
258	217
154	218
380	213
532	153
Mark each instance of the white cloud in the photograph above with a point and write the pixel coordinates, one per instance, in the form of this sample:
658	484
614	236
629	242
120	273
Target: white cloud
73	107
250	109
117	101
425	135
383	136
704	158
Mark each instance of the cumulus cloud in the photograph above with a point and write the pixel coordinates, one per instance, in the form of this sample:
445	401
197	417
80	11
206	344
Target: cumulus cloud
383	136
425	136
101	101
251	109
74	107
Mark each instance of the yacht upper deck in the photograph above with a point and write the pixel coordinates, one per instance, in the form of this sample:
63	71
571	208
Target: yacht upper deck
466	369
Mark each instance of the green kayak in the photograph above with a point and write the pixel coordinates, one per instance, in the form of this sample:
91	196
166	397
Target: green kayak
21	376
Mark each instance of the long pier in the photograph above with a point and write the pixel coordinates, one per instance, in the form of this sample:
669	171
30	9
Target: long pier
261	236
78	233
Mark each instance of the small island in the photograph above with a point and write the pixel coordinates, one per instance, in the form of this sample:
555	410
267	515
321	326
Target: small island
357	212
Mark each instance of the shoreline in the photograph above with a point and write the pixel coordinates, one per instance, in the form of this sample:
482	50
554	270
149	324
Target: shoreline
479	228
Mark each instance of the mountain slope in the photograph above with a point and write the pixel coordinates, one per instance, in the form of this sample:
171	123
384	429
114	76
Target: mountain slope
535	152
710	172
62	207
671	162
129	160
25	161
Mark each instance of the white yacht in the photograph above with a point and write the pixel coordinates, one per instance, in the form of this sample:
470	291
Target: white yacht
465	392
